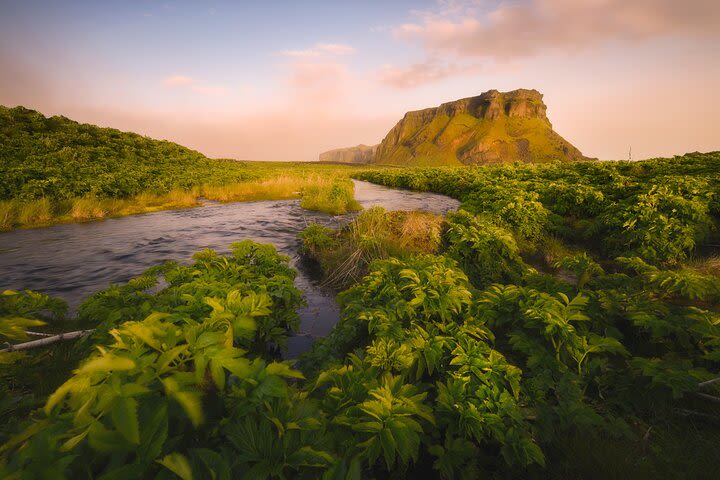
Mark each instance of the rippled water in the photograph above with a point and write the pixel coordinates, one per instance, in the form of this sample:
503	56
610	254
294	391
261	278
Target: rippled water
75	260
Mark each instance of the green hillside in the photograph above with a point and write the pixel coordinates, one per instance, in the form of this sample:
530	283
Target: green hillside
491	128
58	158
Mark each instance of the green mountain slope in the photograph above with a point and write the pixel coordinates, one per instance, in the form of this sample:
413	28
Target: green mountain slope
491	128
56	157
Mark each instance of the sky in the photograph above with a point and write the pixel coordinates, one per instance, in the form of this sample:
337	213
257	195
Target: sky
286	80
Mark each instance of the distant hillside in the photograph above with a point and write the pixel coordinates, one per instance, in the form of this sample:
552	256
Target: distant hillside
490	128
358	154
493	127
58	158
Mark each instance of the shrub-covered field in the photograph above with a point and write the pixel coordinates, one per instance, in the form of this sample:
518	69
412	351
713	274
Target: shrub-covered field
662	210
57	170
565	323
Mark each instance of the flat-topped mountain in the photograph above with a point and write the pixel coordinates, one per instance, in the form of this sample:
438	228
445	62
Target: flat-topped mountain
492	127
358	154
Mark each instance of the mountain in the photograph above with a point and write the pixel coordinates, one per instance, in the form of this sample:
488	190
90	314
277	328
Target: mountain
490	128
358	154
493	127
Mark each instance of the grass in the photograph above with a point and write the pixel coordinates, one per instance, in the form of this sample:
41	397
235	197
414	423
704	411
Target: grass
707	266
34	212
283	187
43	212
7	214
344	256
323	193
87	208
321	187
334	197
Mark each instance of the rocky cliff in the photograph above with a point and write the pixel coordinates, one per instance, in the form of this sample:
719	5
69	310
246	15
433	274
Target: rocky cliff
358	154
490	128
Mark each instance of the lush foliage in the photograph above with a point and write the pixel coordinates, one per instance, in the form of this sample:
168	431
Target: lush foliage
58	158
578	352
55	169
661	210
175	375
344	256
563	324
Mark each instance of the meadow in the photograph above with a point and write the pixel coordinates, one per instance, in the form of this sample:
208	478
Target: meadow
56	170
564	323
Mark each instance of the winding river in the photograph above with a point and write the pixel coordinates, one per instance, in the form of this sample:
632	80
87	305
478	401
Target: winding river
73	261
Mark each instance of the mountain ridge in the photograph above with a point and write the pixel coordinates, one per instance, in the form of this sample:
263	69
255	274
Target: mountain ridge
493	127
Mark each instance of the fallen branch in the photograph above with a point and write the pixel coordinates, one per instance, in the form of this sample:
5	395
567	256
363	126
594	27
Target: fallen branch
708	382
39	334
47	341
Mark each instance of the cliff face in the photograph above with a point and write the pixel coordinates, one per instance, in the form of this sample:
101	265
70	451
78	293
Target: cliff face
490	128
358	154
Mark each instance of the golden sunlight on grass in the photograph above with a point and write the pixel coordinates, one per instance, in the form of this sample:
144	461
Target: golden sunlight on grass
345	255
327	189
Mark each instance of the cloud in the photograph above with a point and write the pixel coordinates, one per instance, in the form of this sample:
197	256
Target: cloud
515	30
190	84
209	91
335	48
178	81
418	74
320	49
318	82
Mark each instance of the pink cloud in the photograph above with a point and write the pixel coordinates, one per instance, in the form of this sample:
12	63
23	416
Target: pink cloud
210	91
526	29
335	48
318	82
177	81
320	49
428	71
190	84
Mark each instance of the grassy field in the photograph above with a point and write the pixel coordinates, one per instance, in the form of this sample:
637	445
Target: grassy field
325	188
56	170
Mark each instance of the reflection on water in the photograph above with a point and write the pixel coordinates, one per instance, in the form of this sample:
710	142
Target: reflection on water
75	260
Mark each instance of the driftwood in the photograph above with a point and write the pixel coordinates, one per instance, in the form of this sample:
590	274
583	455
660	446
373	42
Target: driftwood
47	341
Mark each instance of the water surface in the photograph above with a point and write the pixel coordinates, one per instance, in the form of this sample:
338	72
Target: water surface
72	261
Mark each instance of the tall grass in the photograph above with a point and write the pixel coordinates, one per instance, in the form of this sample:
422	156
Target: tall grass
282	187
35	212
345	255
707	266
88	208
7	214
335	197
323	188
179	198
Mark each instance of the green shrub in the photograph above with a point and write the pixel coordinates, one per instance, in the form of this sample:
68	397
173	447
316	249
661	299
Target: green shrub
487	253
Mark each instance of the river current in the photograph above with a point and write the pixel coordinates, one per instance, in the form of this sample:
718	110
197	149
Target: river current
73	261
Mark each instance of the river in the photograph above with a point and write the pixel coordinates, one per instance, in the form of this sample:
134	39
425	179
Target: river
73	261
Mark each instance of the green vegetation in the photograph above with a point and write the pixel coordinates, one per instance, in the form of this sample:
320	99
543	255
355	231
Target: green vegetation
344	256
491	128
57	170
174	375
661	210
565	323
333	196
